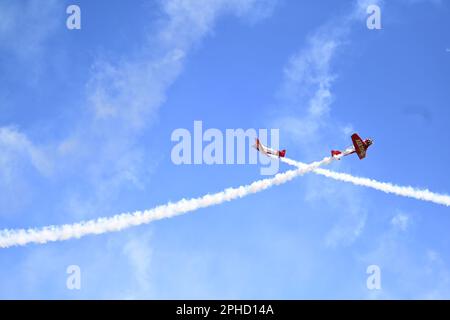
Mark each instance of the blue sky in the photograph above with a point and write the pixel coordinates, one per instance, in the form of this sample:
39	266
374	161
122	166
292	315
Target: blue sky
86	118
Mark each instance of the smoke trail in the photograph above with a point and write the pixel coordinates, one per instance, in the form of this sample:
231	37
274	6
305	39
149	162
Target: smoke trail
20	237
424	195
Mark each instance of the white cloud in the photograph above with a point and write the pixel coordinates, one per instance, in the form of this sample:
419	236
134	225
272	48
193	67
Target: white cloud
20	161
360	8
15	145
434	2
347	228
308	76
306	97
420	273
400	221
123	97
139	254
132	91
188	21
347	214
307	90
309	71
25	26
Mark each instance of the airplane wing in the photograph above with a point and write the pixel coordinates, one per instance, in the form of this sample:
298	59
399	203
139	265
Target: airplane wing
360	146
344	153
269	151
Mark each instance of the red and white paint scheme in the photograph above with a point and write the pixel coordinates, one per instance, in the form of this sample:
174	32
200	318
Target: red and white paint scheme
268	151
359	147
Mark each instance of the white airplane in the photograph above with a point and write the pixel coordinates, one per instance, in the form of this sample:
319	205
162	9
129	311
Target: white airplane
268	151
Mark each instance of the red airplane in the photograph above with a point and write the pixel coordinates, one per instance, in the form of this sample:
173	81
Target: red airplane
268	151
359	147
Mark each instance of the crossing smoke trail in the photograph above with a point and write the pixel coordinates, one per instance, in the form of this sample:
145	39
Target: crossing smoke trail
20	237
424	195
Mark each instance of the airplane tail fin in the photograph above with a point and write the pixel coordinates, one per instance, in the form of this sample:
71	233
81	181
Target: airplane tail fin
335	153
282	153
256	145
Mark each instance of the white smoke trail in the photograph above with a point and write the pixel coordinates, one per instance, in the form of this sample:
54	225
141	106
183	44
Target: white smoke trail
424	195
20	237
